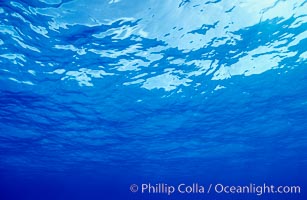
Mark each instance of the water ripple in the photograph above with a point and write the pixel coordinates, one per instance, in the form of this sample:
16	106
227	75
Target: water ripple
84	77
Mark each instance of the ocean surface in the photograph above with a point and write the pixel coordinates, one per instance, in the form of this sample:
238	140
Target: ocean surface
99	95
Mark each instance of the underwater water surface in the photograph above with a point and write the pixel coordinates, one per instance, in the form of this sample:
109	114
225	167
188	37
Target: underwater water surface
96	96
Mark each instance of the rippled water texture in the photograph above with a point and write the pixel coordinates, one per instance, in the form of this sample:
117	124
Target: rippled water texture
109	93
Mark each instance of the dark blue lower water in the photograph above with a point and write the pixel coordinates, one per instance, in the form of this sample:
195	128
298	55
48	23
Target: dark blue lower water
172	99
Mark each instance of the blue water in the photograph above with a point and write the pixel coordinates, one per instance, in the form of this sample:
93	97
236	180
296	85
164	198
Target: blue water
98	95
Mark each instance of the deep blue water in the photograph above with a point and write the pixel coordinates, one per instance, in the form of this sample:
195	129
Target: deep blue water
98	95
